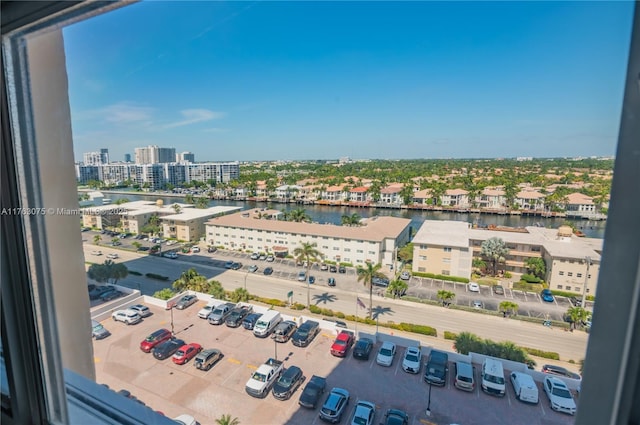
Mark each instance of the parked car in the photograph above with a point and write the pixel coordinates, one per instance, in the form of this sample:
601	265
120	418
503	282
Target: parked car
405	275
363	348
250	321
112	256
185	419
167	348
186	301
333	269
237	315
412	360
560	371
477	304
498	290
547	296
212	249
142	310
253	269
342	269
172	255
302	276
305	333
288	383
236	266
204	312
263	257
396	417
386	354
312	279
473	287
255	256
156	338
559	395
95	291
324	267
111	295
207	358
335	405
312	392
331	282
228	264
364	413
186	353
270	258
96	252
380	281
267	271
577	302
219	314
98	331
129	317
283	331
341	345
195	249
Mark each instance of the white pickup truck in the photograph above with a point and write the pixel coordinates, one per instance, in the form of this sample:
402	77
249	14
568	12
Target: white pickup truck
263	378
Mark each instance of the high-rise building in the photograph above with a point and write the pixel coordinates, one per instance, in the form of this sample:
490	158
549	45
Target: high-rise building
127	157
96	158
155	155
183	157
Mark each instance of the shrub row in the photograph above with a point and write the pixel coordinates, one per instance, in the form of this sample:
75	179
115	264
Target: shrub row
410	327
450	335
133	272
529	278
544	354
156	276
442	277
298	306
270	301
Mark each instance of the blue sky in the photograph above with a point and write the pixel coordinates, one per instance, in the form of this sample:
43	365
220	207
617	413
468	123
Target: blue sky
323	80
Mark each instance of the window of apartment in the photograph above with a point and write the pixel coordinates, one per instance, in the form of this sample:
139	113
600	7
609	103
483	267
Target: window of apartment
559	286
423	246
347	250
423	257
446	260
226	236
445	272
268	240
578	274
359	251
218	234
372	252
561	273
569	274
250	238
577	289
335	248
447	249
325	247
259	239
422	269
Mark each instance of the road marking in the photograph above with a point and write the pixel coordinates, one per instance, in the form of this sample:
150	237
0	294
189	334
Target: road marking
231	360
252	367
426	422
327	336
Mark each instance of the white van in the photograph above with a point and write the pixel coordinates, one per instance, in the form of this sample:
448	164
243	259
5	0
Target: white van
267	323
525	387
464	376
493	377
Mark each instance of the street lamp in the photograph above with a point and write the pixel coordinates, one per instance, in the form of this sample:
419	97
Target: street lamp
245	279
275	349
429	400
586	281
171	309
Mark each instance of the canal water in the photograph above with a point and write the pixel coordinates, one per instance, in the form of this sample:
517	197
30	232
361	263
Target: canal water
333	214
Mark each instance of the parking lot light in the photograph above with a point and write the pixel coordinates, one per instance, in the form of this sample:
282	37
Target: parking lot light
172	332
429	400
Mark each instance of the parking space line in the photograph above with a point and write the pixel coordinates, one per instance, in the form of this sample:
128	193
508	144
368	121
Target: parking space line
397	366
252	367
97	359
235	361
426	422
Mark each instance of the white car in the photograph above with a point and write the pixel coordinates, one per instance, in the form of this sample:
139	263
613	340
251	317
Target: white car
142	310
195	249
96	252
473	287
386	354
559	395
253	269
405	275
171	255
204	311
185	419
411	360
128	316
171	242
112	256
364	414
269	258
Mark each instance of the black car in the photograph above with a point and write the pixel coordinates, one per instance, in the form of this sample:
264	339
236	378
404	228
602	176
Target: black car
312	392
167	348
288	383
267	271
333	269
331	282
96	291
111	295
212	249
363	348
250	321
305	333
577	302
559	371
237	315
395	417
342	269
380	281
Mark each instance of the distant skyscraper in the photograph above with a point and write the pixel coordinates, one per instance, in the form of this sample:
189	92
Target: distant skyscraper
183	157
96	158
127	157
155	155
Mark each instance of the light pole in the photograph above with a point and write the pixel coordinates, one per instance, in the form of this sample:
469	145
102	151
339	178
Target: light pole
275	349
172	333
429	400
586	281
245	280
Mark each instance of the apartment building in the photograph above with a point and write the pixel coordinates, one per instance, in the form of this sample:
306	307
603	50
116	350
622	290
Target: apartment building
449	247
96	158
260	230
153	154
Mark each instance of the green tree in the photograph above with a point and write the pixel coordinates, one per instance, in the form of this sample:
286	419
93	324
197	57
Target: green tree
216	290
479	264
153	225
536	266
445	296
365	275
577	315
177	208
397	288
466	343
202	203
351	220
239	295
137	245
508	308
307	252
495	251
121	201
164	294
97	239
191	280
405	254
406	194
374	190
227	420
299	215
108	272
189	199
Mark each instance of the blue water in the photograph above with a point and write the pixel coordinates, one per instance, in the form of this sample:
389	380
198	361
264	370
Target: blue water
331	214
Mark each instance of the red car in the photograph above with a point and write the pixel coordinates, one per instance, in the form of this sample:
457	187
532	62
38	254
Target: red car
186	352
341	345
156	338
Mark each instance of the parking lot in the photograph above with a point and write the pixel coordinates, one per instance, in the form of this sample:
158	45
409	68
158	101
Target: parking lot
175	389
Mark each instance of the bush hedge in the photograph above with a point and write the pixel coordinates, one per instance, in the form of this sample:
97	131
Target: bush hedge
135	273
298	306
529	278
410	327
442	277
544	354
156	276
450	335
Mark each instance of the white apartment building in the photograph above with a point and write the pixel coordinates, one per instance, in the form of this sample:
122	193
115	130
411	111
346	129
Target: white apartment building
184	157
258	230
153	154
96	158
448	248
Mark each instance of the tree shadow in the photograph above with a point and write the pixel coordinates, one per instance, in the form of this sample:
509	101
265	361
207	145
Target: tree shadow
381	311
324	298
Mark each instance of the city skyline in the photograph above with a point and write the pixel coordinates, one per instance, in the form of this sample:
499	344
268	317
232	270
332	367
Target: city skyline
296	81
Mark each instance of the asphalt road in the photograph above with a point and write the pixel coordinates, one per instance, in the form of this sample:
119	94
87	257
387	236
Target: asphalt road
342	298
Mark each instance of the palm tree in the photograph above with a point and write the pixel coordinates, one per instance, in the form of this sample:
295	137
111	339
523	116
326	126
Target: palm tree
202	202
97	239
467	342
227	420
299	215
397	288
216	290
508	307
495	250
577	315
366	275
191	279
177	208
351	220
307	252
445	296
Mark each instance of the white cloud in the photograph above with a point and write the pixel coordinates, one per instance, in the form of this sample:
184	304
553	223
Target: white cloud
118	113
215	130
192	116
